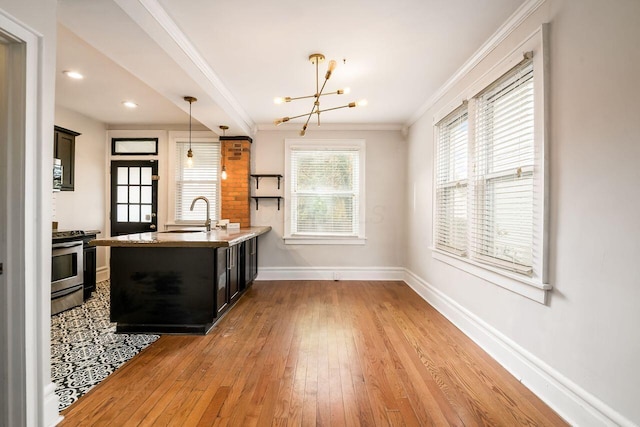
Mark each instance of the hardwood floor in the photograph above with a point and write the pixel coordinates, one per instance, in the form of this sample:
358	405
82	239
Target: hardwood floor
316	353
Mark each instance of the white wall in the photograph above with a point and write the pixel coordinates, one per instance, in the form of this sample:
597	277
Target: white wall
385	198
32	402
588	332
84	207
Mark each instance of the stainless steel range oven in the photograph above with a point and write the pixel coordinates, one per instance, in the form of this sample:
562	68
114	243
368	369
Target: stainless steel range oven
66	275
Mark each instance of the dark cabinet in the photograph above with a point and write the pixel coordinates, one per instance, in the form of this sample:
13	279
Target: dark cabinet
64	148
89	272
178	290
233	272
222	279
227	277
249	261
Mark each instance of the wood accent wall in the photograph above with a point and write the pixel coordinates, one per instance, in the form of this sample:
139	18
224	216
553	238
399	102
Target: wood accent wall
236	204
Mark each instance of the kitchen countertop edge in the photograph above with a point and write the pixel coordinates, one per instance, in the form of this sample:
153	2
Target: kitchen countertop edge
210	239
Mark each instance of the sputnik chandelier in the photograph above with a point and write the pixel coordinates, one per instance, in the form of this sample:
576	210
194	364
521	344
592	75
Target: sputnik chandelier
316	59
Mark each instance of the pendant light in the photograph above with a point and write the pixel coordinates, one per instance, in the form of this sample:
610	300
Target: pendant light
223	174
190	100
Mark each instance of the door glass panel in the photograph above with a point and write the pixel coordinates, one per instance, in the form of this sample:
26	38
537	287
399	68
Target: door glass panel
123	175
134	194
123	196
146	176
134	213
123	213
145	210
145	195
134	176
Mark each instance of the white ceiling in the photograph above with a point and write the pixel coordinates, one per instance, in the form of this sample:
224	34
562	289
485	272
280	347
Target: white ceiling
235	56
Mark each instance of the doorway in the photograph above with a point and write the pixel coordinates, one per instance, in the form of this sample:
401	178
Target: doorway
27	395
134	196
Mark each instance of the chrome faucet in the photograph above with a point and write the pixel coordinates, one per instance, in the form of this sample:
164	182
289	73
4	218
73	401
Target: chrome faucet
207	223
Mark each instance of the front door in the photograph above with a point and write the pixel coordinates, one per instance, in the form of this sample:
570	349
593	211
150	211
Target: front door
134	196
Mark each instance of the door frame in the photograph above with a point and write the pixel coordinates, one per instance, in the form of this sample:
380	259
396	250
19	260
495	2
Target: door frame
154	193
28	396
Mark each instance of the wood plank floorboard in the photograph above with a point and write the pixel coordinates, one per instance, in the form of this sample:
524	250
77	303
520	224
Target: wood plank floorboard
303	353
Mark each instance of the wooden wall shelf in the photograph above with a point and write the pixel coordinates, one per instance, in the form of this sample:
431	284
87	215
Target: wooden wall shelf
256	198
257	176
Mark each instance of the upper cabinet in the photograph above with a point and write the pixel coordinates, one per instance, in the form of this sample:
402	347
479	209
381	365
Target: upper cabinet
64	148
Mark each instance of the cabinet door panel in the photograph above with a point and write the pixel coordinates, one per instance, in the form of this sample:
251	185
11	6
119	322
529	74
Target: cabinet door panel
221	275
232	266
64	144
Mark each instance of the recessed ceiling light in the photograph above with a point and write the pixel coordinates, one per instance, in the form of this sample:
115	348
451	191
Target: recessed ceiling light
129	104
73	74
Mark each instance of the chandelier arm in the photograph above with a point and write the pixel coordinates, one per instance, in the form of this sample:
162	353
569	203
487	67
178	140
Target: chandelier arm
335	108
301	97
308	117
291	98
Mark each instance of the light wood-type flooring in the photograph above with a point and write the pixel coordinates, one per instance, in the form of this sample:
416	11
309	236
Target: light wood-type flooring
352	353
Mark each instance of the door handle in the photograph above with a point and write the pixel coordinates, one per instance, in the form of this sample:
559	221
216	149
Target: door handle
152	226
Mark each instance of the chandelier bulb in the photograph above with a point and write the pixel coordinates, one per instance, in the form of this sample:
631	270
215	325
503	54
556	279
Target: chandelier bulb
278	100
362	103
332	66
280	121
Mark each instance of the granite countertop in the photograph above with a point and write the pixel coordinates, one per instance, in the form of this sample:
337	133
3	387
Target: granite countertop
189	239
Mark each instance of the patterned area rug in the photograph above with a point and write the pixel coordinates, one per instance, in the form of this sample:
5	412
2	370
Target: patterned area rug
85	348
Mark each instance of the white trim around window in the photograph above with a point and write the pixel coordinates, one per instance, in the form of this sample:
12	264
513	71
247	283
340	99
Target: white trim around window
319	158
476	250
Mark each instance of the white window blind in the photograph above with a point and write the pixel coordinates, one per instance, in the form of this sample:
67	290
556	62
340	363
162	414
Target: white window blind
452	182
325	193
199	180
503	172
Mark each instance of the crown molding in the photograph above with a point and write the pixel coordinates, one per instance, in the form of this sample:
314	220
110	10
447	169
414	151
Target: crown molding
523	12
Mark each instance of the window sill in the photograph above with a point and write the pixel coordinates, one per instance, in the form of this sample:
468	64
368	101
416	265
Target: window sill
324	240
524	286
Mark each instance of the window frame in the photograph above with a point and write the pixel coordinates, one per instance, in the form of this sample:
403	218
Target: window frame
536	285
174	139
357	145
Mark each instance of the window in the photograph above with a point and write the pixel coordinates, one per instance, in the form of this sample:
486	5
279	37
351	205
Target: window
503	157
451	183
489	182
324	198
201	179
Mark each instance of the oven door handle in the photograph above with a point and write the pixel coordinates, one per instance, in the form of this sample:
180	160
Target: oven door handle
65	245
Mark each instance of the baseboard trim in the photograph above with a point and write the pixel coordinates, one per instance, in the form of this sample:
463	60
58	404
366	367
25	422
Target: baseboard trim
330	273
102	274
50	406
570	401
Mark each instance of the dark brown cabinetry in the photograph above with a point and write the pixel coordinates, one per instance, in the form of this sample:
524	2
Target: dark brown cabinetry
233	272
89	272
222	279
178	290
64	148
249	262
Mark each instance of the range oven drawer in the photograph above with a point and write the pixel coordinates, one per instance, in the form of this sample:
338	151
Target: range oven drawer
67	271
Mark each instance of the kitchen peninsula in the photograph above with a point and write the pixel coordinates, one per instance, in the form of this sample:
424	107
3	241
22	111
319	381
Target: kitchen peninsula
179	281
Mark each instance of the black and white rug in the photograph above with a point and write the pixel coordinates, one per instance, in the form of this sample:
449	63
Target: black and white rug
85	348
